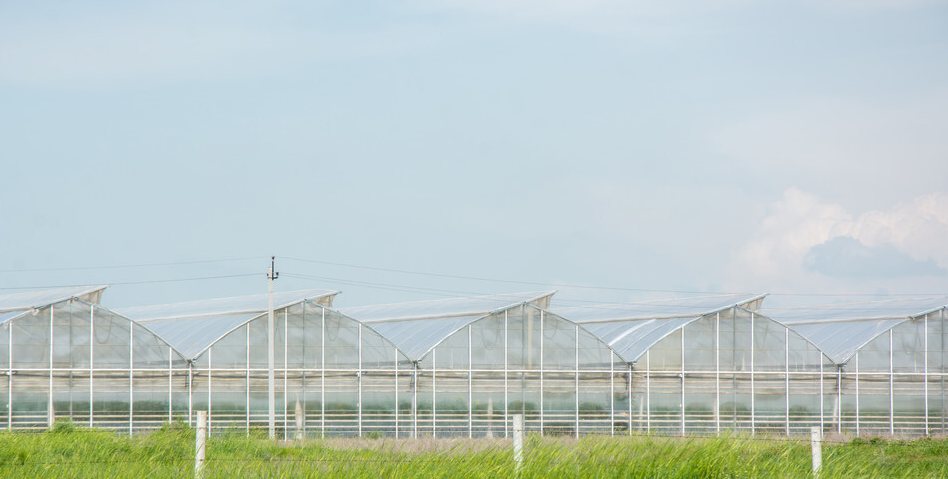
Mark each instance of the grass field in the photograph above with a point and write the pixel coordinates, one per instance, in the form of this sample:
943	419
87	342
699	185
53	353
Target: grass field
68	452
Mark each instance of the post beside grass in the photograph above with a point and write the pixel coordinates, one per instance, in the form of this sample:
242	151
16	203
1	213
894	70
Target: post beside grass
518	441
816	444
200	440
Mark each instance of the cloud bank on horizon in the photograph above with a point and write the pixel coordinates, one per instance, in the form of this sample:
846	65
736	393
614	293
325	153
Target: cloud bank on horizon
803	242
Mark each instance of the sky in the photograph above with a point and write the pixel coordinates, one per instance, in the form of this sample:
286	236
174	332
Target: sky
412	149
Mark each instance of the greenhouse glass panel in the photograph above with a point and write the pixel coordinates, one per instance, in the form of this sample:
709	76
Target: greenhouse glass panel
489	411
909	405
806	401
488	338
700	416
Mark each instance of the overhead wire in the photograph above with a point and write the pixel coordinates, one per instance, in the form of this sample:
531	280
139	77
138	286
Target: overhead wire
420	289
592	287
175	280
122	266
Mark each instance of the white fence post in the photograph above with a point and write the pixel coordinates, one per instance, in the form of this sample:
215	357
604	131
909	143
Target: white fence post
816	444
200	440
518	441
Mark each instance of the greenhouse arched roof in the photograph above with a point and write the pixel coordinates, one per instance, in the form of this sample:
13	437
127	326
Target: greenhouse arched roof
840	330
419	326
194	326
632	328
16	304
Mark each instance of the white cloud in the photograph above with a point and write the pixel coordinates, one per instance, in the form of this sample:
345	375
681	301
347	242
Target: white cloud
846	257
774	254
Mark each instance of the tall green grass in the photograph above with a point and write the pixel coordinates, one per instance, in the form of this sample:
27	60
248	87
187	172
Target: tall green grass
69	452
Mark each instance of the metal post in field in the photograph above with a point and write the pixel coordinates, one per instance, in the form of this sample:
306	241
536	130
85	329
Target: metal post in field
816	443
200	440
518	441
271	393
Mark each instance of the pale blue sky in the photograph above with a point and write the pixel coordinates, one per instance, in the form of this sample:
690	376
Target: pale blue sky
683	145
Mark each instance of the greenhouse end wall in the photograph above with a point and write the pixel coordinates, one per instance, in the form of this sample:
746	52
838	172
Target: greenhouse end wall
77	360
334	377
523	360
895	384
732	371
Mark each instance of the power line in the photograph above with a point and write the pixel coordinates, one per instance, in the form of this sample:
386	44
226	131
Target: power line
385	286
121	266
493	280
592	287
123	283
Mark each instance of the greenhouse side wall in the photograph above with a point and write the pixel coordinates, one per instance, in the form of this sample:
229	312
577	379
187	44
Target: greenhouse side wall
895	384
78	361
526	361
732	371
333	377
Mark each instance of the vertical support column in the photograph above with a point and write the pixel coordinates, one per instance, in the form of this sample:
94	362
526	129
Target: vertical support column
360	379
891	388
612	394
414	400
10	378
717	373
210	388
91	361
271	387
753	412
838	410
925	370
322	376
247	371
786	379
190	391
857	394
470	393
50	411
397	411
541	373
131	377
506	374
576	379
170	385
681	376
286	344
434	392
648	392
631	370
820	356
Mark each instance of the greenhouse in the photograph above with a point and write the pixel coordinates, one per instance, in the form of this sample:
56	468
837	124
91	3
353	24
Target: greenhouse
479	360
462	367
333	375
705	365
65	356
891	358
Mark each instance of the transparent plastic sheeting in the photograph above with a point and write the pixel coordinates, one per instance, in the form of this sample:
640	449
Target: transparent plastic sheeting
461	367
631	329
257	303
840	330
418	326
38	299
191	327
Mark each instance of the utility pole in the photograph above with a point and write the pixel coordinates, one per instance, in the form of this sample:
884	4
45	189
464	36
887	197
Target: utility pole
271	390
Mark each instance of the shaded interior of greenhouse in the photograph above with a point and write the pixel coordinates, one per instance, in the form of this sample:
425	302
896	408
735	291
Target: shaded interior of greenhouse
462	367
